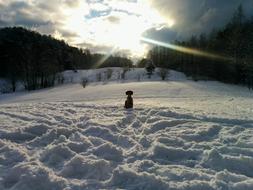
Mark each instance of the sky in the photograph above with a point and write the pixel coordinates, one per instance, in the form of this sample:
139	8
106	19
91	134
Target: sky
108	26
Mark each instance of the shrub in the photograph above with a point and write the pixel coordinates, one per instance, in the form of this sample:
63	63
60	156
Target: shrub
99	77
123	74
60	79
139	77
119	75
109	73
71	79
6	87
84	82
150	68
163	73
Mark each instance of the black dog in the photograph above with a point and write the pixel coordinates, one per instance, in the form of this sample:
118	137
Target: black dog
129	101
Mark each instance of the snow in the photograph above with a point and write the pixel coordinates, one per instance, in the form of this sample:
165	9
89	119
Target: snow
132	74
180	135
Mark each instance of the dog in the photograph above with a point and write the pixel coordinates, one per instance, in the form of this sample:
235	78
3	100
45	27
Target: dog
129	101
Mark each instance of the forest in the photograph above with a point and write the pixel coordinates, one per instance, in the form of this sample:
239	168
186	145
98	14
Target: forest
36	60
234	41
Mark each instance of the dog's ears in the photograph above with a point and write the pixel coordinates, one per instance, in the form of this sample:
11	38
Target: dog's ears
129	92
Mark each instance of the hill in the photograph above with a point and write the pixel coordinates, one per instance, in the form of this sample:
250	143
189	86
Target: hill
180	135
35	60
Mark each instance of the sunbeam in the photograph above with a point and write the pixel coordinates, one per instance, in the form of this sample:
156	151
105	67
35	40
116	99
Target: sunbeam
104	58
185	49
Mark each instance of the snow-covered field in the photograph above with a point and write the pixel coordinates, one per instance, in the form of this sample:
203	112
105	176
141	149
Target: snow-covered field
180	135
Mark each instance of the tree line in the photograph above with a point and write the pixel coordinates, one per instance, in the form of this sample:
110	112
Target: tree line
234	41
36	60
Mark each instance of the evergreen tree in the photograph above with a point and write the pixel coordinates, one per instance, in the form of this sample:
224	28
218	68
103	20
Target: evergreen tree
150	68
35	59
234	42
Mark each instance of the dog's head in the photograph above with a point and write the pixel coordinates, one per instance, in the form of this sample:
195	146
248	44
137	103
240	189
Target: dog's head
129	93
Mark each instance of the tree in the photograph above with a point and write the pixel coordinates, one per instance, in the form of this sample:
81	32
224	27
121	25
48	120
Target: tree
35	60
142	63
234	43
150	67
163	73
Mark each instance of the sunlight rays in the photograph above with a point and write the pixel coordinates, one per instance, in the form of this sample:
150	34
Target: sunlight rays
113	24
104	58
185	49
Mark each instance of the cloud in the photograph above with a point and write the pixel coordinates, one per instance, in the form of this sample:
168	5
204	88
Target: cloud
165	34
194	17
98	7
103	24
19	13
114	19
95	47
44	16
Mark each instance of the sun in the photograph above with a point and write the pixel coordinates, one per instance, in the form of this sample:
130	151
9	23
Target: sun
126	35
122	33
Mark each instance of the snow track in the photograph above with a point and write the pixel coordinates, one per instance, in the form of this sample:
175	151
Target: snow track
66	145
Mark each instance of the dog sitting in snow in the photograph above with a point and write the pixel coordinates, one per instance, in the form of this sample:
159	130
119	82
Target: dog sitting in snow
129	101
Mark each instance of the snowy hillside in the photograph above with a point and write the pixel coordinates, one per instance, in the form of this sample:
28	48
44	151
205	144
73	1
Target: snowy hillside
116	74
101	76
180	135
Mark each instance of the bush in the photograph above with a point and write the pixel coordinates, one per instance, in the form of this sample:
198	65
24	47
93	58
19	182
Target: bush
84	82
123	74
119	75
139	77
163	73
150	68
109	73
6	87
99	77
142	63
60	79
71	79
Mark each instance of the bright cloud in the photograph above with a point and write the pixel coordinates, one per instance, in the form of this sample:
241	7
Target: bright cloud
103	25
117	24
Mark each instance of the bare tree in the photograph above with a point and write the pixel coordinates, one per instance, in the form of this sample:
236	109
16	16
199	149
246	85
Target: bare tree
163	73
109	74
99	77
